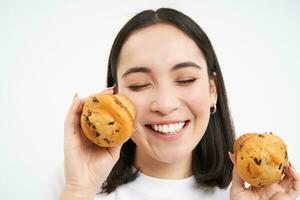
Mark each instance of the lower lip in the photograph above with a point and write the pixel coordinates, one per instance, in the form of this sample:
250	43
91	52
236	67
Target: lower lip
170	137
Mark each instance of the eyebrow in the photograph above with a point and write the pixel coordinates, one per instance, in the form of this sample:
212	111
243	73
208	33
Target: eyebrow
148	70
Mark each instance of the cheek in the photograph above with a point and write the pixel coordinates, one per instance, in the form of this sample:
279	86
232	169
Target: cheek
141	107
199	108
197	97
139	137
139	101
198	103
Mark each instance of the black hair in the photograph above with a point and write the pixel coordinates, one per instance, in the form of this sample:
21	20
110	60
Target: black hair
211	165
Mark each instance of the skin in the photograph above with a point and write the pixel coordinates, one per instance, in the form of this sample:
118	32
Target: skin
163	98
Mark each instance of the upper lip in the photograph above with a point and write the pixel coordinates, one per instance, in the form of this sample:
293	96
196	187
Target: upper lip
161	122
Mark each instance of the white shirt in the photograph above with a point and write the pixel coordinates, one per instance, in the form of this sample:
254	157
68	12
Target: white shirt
149	188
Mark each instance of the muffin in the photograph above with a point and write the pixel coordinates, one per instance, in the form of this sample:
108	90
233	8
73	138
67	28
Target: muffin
260	158
108	120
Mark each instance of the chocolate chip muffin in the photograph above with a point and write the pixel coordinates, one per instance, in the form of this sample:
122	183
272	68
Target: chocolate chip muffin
108	120
260	158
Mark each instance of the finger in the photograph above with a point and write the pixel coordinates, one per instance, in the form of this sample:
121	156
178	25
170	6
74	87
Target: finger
272	190
294	173
72	118
295	190
109	90
286	181
238	184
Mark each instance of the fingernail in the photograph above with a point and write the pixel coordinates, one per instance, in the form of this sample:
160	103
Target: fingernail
109	88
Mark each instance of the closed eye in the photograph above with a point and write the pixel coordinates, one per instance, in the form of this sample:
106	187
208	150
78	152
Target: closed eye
186	81
138	87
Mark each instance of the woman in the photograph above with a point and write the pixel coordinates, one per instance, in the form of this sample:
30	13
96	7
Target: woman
165	63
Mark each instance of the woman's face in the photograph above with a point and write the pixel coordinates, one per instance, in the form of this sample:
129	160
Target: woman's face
165	75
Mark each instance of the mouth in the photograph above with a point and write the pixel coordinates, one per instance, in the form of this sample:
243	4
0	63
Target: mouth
168	129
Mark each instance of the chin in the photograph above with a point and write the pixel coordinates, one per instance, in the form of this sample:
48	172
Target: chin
171	155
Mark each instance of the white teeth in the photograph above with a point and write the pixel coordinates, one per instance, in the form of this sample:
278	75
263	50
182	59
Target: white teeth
165	129
172	127
168	128
155	127
160	128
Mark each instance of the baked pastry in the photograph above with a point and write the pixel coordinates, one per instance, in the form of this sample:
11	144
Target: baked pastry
260	158
107	120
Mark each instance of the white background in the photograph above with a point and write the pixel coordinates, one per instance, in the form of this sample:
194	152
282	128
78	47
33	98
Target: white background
51	49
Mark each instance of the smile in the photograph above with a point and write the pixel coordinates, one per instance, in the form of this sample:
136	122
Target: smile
168	129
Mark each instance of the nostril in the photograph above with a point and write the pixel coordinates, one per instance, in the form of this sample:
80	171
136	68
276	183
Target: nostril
164	109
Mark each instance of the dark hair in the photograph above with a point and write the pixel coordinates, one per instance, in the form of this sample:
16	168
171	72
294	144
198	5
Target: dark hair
211	165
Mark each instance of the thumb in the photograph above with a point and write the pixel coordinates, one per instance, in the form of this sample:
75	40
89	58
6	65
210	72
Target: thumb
238	184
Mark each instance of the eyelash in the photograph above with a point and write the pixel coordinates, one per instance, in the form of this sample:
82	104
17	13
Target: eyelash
187	81
137	87
140	87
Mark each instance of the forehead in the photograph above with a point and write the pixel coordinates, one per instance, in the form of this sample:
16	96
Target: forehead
159	45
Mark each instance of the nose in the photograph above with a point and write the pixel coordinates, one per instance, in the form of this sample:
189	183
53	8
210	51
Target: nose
164	101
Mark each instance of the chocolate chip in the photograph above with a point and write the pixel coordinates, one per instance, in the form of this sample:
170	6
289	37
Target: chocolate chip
95	100
258	162
260	135
242	158
259	184
107	140
87	121
117	131
280	166
111	123
97	134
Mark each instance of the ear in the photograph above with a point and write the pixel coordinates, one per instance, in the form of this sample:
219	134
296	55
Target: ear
213	90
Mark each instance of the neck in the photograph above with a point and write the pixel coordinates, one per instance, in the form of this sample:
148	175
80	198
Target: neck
165	170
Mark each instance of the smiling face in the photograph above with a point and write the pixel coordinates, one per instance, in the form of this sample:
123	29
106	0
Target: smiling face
165	74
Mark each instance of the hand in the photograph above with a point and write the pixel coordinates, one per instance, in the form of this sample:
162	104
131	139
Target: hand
286	189
86	164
